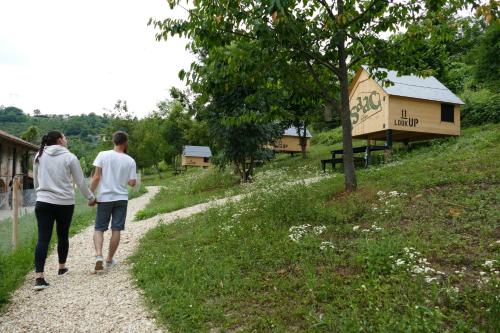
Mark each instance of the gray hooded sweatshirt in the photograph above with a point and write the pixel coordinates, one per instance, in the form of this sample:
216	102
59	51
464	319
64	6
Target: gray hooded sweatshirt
54	174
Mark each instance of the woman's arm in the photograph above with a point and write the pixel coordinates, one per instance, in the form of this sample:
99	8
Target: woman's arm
77	173
35	173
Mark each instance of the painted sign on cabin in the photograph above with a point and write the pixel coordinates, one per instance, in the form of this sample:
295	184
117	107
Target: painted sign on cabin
414	108
198	156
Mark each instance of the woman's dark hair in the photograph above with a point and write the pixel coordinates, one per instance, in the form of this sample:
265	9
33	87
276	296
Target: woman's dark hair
48	139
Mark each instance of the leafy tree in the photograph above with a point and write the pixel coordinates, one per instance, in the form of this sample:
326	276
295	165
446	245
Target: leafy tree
301	102
335	36
237	82
487	66
147	144
31	134
12	114
121	119
176	122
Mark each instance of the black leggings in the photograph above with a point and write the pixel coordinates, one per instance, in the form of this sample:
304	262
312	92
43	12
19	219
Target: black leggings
46	214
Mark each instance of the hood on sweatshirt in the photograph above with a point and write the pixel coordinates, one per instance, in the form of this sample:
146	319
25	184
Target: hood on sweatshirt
55	150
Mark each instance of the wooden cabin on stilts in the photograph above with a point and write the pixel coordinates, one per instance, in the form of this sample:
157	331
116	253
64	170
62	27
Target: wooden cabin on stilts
412	108
290	142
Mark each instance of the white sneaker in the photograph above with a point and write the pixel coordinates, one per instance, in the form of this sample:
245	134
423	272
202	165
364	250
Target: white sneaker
112	263
98	264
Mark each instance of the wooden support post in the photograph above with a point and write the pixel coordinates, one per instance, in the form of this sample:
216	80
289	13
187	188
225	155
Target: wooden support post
367	156
407	145
16	185
388	145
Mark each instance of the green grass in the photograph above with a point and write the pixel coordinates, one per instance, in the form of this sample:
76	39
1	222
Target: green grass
14	265
198	185
235	268
156	180
193	187
135	193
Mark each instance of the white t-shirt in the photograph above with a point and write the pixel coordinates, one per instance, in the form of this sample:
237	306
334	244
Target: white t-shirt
117	170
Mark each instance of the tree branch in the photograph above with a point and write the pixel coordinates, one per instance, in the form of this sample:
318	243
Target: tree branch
328	9
366	11
316	79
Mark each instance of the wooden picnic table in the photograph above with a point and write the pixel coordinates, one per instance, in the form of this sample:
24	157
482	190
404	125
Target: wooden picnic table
356	150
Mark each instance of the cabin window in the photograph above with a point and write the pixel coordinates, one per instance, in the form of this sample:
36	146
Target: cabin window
448	113
205	159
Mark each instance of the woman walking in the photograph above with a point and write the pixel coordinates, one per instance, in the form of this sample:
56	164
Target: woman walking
54	171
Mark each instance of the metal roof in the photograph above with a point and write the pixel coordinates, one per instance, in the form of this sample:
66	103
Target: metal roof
197	151
18	141
428	88
292	131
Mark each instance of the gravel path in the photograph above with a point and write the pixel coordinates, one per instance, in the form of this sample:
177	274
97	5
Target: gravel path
83	302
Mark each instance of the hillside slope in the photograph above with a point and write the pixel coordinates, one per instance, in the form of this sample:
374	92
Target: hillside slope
417	249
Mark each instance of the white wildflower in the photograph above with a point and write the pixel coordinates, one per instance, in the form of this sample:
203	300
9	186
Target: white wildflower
429	279
400	262
326	245
489	263
319	230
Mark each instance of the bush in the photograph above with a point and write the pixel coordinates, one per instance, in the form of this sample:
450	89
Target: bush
328	138
481	107
208	180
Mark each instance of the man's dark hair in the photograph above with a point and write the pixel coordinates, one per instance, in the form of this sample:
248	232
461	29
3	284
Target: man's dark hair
120	138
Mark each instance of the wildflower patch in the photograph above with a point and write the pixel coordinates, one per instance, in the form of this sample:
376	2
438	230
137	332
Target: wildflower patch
388	202
412	261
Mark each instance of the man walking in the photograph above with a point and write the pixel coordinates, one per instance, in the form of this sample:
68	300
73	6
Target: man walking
114	170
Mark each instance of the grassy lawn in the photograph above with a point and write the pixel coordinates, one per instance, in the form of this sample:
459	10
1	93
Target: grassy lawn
201	185
187	189
415	249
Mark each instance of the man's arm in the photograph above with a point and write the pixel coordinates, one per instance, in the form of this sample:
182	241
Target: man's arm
132	177
95	179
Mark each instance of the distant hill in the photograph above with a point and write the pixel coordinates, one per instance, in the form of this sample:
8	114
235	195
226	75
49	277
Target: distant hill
84	127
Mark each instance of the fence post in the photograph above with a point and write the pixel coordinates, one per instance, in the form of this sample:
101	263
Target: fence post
15	212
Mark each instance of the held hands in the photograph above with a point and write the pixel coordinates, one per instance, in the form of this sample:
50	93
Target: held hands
92	202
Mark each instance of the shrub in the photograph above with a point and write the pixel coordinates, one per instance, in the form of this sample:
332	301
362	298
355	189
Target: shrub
481	107
329	137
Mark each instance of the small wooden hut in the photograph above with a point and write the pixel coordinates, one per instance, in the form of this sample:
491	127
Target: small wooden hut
290	142
15	156
198	156
412	109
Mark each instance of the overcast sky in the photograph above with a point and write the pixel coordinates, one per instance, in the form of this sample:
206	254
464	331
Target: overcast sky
66	56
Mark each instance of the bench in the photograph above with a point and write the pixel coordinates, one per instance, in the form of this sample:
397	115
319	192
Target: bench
356	150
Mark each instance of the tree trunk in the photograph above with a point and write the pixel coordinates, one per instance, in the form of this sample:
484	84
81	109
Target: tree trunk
303	142
158	170
249	173
236	168
345	114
